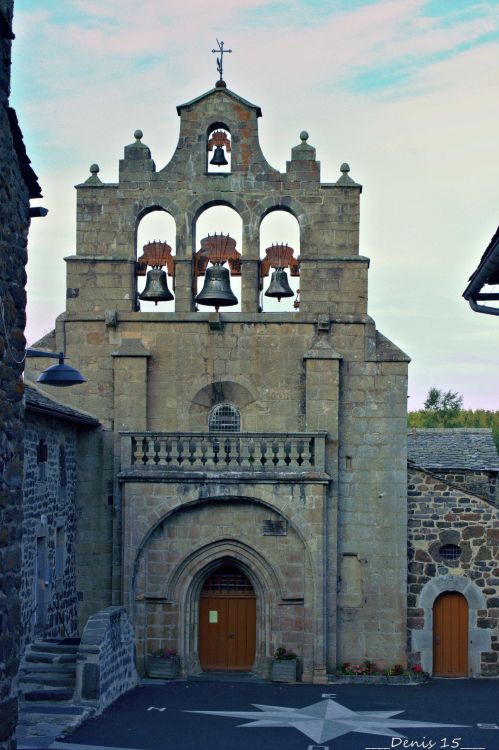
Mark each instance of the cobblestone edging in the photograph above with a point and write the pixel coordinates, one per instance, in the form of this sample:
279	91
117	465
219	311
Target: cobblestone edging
105	667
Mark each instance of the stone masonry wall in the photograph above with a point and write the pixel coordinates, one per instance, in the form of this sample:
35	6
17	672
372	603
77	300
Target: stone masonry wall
106	658
439	515
49	522
14	223
482	483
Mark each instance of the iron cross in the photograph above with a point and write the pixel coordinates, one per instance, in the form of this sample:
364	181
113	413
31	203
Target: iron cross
220	60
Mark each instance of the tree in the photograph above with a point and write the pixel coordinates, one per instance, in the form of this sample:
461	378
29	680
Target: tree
444	409
448	402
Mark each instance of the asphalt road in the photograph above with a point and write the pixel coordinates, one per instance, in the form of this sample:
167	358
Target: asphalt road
296	717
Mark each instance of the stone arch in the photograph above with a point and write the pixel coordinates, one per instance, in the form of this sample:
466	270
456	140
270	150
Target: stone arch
209	200
283	203
167	205
204	396
187	581
479	638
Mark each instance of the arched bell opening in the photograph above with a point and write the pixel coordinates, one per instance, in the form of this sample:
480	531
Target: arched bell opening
156	234
227	620
279	253
218	149
217	269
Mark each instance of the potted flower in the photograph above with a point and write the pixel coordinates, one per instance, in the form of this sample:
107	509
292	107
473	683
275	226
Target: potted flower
163	663
284	665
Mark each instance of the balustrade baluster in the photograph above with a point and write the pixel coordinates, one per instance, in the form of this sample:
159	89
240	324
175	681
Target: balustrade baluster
145	450
162	452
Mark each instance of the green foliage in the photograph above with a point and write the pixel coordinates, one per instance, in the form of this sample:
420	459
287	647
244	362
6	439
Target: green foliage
449	416
446	402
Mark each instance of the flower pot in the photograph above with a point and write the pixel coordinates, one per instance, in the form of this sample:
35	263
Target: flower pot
284	670
164	669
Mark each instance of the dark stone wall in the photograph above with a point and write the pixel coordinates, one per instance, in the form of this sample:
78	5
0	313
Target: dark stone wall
482	483
14	223
439	514
49	522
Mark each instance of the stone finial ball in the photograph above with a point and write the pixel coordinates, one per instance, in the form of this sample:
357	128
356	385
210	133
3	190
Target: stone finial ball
94	168
345	167
138	134
304	135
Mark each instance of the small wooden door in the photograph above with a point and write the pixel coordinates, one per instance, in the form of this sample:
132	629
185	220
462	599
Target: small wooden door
227	622
450	635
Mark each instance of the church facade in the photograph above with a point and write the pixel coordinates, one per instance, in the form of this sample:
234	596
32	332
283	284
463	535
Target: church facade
247	488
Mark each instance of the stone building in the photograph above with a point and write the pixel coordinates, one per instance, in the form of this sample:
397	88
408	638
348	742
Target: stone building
453	552
248	488
18	183
50	514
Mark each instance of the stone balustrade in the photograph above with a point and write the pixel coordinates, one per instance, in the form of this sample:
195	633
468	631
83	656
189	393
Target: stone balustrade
223	451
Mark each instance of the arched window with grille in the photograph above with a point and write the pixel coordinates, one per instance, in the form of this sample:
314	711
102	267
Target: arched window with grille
224	418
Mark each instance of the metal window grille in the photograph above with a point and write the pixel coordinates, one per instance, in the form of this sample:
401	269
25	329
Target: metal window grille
450	552
227	579
224	418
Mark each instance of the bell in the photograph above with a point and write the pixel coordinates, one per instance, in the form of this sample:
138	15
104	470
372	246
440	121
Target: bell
279	285
156	288
216	290
219	159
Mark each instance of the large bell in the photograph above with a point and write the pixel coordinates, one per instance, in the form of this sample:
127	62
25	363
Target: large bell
216	290
156	288
279	285
219	159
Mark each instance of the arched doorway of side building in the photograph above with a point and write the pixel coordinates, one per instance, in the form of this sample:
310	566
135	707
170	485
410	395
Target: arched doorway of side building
450	635
227	621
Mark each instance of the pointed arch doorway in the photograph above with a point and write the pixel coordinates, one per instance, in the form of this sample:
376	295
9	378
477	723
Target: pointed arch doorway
227	621
450	635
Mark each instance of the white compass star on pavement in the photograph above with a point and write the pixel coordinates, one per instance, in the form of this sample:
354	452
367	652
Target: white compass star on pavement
326	720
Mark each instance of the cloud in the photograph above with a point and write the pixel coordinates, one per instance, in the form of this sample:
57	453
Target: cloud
404	90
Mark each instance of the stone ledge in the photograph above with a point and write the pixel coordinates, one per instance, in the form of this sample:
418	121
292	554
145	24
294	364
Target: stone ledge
377	679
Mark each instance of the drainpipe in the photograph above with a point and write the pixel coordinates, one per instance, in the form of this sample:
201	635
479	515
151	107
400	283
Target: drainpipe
484	308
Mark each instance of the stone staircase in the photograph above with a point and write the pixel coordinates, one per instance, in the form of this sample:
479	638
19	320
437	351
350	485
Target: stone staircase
47	709
48	670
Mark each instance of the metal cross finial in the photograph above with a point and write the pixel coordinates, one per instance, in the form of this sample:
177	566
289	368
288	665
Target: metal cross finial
220	60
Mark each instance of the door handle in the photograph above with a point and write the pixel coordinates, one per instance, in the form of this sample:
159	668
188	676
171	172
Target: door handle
231	636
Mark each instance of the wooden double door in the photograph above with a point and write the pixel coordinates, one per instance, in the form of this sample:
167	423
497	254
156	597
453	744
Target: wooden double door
227	622
450	635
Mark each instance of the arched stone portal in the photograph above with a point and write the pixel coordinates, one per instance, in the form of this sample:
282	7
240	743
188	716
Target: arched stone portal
183	549
479	639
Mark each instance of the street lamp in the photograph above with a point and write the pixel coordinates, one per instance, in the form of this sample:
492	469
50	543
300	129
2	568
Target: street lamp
60	375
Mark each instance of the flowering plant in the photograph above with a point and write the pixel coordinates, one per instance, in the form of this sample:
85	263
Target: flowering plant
165	653
282	653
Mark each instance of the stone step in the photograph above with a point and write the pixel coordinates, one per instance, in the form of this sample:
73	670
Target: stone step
46	694
41	679
54	647
50	657
33	668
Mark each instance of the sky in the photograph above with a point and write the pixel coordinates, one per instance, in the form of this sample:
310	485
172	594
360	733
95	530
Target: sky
405	91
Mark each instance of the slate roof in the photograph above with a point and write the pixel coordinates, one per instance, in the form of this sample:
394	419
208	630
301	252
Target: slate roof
456	448
40	403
